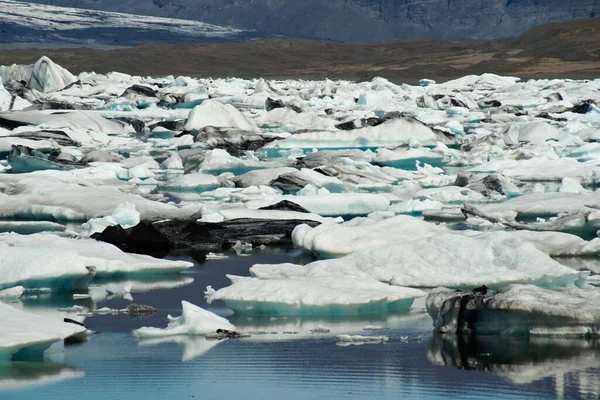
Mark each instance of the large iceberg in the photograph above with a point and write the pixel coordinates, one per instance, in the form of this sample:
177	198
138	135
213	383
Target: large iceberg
517	310
214	113
26	335
313	295
450	260
44	75
48	260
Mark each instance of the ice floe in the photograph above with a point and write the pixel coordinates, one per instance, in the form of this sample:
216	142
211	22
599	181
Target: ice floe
193	321
22	330
47	260
516	309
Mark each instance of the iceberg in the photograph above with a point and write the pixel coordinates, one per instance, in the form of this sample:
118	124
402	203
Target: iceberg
43	196
44	76
48	260
495	259
313	295
26	336
218	115
393	133
516	310
193	321
332	241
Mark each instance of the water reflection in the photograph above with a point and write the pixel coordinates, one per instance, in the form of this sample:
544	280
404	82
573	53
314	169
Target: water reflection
19	375
192	346
517	359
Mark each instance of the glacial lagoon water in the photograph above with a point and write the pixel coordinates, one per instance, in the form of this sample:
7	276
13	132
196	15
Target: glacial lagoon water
284	359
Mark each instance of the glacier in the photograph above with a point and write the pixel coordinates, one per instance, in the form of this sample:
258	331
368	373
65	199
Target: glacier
387	192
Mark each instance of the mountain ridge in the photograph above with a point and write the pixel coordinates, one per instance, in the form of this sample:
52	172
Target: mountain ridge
362	20
561	50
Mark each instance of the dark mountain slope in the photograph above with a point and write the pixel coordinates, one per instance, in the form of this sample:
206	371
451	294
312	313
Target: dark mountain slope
362	20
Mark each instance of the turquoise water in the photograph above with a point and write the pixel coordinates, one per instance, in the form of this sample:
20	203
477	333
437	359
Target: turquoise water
283	359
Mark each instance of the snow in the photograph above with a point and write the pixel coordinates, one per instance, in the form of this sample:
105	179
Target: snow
24	330
193	321
47	260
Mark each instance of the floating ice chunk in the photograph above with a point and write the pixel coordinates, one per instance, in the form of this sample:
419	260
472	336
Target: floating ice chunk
12	293
517	309
373	328
28	227
290	121
322	295
192	182
532	132
125	215
320	329
214	113
342	204
5	97
46	260
571	185
44	76
218	161
330	241
426	82
62	197
542	205
173	162
415	206
395	132
406	159
360	339
193	321
84	127
237	213
539	169
455	127
21	330
451	260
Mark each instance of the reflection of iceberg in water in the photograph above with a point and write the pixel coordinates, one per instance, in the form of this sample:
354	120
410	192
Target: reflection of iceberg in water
103	289
192	346
263	328
516	359
20	375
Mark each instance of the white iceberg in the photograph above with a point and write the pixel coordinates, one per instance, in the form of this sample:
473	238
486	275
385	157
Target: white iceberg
47	260
44	76
214	113
450	260
193	321
313	295
517	309
22	330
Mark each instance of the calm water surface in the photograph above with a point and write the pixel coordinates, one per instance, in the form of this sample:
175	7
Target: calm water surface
283	359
